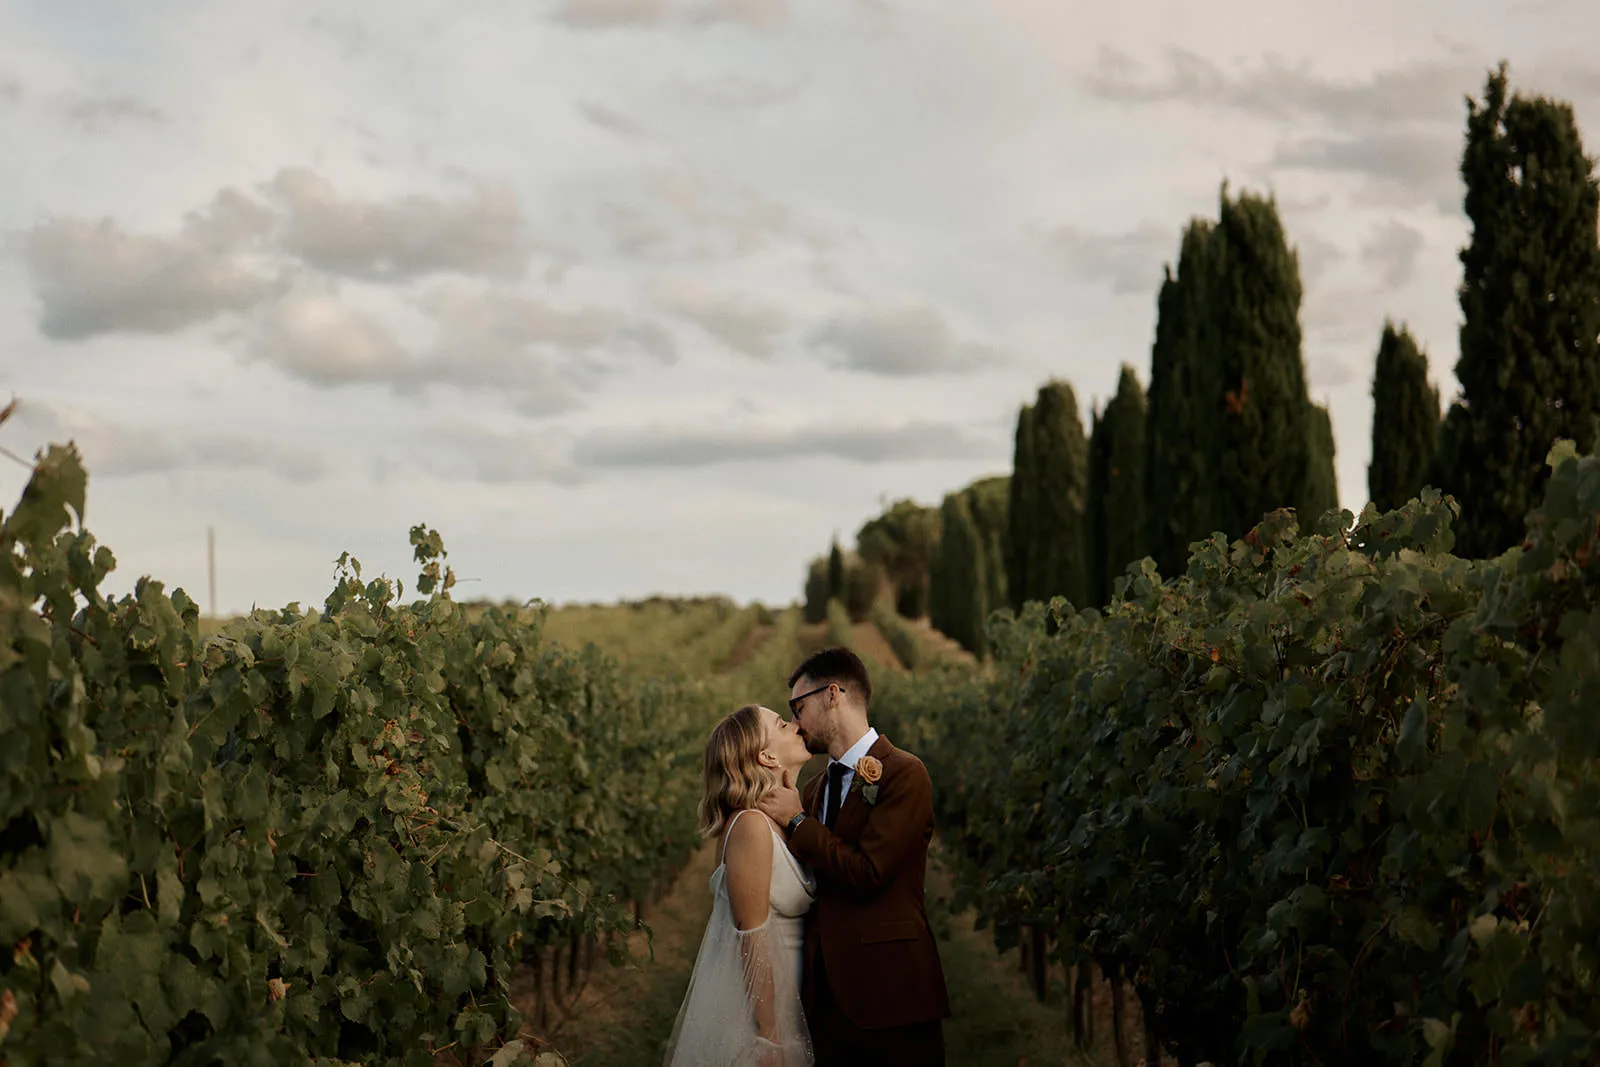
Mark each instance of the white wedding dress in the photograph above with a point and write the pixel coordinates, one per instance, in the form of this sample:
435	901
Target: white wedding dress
716	1026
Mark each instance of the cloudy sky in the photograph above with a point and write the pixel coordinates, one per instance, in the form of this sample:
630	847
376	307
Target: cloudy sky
628	296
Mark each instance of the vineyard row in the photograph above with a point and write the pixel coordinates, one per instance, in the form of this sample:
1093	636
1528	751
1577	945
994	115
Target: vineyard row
1321	799
326	836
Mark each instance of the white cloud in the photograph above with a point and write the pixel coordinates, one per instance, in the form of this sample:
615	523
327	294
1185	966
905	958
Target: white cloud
94	277
540	357
1129	262
745	325
1406	168
483	233
698	446
310	333
117	448
1393	251
901	338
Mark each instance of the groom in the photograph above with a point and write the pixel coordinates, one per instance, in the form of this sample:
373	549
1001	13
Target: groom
872	987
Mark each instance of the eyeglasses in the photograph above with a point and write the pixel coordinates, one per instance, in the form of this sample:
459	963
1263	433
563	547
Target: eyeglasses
795	702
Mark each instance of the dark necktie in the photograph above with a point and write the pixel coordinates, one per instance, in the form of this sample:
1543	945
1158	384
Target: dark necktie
836	773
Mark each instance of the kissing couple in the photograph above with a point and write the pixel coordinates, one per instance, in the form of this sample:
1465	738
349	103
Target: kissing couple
818	950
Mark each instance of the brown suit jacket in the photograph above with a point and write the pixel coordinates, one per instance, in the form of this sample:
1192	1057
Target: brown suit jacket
870	922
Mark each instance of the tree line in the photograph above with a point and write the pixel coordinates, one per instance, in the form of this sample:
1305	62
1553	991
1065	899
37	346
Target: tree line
1226	430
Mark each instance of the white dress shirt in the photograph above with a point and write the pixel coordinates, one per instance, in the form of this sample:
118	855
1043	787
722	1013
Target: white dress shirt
850	759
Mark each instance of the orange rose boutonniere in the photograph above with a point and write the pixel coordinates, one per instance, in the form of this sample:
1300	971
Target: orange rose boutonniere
868	771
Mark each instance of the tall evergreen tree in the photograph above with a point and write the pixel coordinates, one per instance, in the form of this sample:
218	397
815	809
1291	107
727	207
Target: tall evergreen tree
1263	438
1405	420
1117	487
902	541
968	573
1180	501
1445	471
1319	493
1056	563
1094	519
988	499
1530	301
835	572
963	595
816	591
1020	512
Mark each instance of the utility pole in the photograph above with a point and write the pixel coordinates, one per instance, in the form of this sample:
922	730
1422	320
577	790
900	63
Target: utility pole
211	566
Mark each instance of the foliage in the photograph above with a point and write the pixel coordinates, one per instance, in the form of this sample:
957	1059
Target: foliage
1253	340
1116	521
903	541
836	571
817	589
1052	525
1319	493
839	621
689	635
907	649
1405	420
1530	301
323	835
1181	494
988	499
864	583
961	589
1324	798
1021	509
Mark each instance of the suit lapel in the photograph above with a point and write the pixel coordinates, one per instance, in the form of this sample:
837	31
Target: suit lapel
853	812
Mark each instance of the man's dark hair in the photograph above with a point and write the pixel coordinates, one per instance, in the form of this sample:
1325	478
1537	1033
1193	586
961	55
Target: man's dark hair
836	665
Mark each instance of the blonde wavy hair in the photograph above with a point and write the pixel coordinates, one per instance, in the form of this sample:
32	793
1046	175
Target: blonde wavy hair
734	777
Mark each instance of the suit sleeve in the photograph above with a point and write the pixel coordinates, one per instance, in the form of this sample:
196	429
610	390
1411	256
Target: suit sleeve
808	800
902	816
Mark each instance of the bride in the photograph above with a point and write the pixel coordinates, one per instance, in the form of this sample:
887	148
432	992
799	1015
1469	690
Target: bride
743	1003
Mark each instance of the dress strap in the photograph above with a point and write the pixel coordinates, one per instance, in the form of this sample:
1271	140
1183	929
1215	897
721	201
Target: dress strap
729	833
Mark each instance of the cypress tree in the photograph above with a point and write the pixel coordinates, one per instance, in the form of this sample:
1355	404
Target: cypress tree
1020	512
1117	487
1320	492
864	582
1095	516
964	596
902	541
940	594
1262	441
816	591
1180	500
1530	302
1405	420
968	571
835	572
1445	472
1056	560
988	502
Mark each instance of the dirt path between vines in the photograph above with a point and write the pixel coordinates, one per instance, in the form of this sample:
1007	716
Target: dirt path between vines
866	641
624	1015
749	644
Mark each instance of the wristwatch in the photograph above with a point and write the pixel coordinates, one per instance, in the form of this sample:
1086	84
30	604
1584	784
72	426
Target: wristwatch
799	818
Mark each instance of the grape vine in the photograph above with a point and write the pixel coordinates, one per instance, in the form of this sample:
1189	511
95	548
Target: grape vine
323	835
1321	799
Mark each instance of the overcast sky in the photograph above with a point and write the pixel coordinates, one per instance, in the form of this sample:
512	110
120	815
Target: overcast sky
634	296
